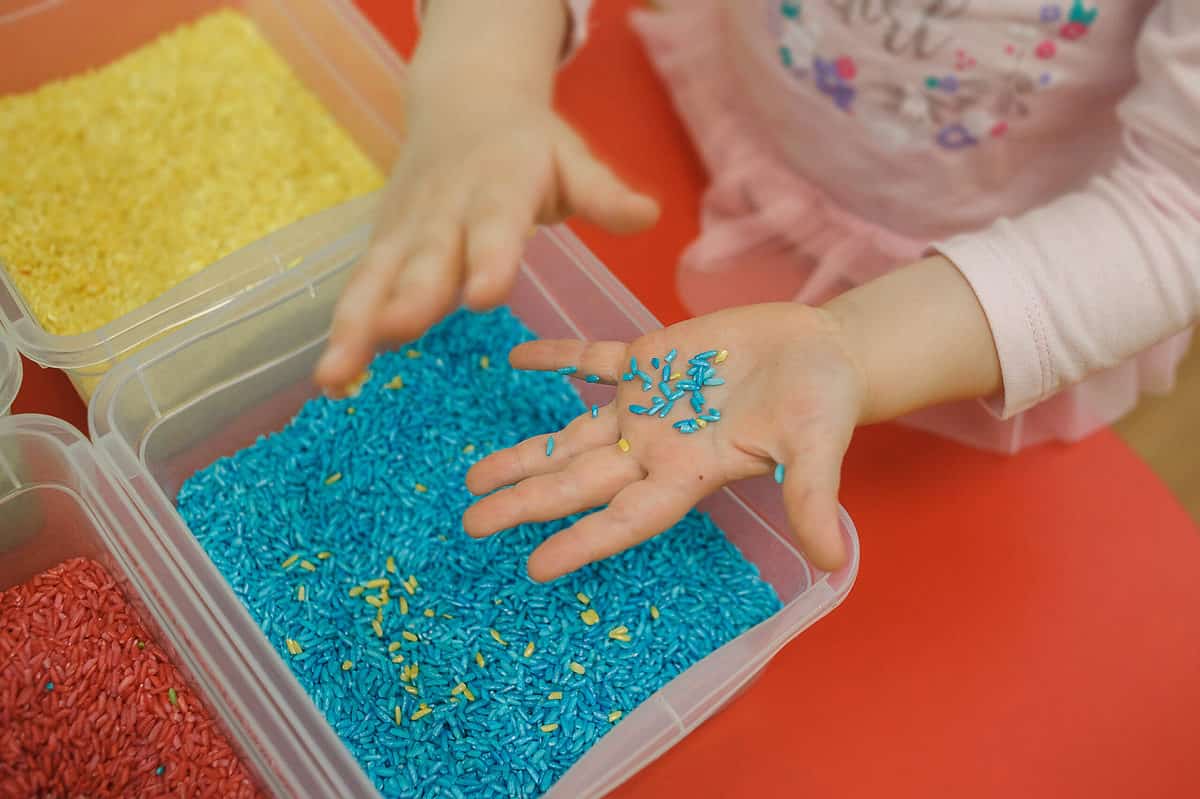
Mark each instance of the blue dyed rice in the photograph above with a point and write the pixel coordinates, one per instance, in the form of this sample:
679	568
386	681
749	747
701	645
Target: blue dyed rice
254	509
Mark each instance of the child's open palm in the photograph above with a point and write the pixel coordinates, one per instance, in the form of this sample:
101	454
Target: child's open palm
791	395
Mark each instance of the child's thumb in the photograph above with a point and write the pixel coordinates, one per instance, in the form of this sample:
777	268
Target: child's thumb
591	190
810	495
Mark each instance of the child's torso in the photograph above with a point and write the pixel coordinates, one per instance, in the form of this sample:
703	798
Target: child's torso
935	116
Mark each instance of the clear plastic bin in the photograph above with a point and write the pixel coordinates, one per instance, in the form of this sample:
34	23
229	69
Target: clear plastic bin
212	389
10	374
58	502
328	43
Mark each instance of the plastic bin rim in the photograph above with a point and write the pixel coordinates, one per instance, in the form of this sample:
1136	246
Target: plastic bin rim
52	428
296	281
11	374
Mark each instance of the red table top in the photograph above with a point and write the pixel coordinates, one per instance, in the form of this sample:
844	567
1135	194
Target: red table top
1024	626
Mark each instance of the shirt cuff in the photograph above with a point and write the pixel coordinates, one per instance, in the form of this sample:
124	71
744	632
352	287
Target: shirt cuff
1014	314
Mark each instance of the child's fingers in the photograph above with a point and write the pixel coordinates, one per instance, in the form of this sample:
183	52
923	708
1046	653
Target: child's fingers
640	511
529	458
497	225
427	284
351	338
605	359
588	480
810	492
494	247
591	190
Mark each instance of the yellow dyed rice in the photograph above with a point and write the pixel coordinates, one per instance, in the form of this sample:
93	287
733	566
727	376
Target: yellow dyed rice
119	183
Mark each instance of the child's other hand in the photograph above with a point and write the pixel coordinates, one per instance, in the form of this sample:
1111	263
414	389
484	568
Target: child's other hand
479	169
792	395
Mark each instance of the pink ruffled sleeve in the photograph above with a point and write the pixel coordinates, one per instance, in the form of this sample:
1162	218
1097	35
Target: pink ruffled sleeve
577	18
1099	275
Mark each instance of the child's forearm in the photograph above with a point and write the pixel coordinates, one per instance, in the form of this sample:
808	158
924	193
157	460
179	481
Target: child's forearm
919	337
514	45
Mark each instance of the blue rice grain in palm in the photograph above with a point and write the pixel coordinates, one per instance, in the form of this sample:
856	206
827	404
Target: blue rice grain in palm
402	456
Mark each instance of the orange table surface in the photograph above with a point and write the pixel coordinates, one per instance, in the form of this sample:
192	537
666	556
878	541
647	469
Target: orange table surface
1025	626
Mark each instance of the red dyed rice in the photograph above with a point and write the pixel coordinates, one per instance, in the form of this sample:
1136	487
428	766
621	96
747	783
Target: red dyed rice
107	724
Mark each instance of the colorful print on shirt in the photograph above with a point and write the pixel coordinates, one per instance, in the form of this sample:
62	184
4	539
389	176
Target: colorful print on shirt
958	95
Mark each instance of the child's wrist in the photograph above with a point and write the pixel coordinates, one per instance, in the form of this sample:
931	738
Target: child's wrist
457	83
919	338
488	49
837	322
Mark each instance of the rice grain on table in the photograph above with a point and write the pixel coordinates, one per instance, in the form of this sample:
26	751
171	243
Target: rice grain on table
91	706
508	682
121	182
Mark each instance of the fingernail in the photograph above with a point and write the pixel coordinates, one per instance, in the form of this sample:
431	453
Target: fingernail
333	353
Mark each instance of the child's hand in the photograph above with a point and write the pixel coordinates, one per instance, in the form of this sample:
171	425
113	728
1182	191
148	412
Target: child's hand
477	173
792	395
